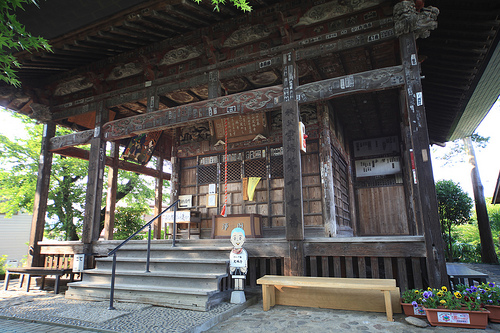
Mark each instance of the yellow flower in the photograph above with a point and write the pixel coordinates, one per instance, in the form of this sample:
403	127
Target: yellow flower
429	289
443	288
440	294
458	294
417	292
420	299
442	301
487	289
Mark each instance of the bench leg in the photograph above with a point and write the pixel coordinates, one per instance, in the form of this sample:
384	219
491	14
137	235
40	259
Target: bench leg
21	280
268	297
42	282
6	282
28	282
56	285
388	305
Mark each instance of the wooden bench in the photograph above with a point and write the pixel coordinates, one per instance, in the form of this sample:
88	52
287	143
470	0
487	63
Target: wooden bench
55	265
331	293
37	271
461	274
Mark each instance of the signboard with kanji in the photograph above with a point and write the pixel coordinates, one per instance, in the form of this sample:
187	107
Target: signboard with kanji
251	223
241	127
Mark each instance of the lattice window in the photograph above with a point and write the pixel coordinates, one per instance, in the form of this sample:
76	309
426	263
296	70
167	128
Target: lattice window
276	167
207	174
233	171
341	185
256	168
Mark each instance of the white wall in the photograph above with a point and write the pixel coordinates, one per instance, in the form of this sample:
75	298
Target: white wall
14	235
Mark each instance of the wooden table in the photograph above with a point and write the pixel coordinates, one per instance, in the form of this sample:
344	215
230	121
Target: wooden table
461	274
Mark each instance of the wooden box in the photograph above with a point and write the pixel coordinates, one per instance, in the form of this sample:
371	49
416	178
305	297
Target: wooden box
251	223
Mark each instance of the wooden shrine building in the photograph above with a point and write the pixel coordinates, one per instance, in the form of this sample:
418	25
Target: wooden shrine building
373	83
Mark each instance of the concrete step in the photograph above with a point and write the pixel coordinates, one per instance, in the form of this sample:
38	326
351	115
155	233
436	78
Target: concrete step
182	298
167	265
206	281
178	252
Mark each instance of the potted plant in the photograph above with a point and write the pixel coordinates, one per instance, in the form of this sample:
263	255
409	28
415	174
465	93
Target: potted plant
491	300
455	309
411	302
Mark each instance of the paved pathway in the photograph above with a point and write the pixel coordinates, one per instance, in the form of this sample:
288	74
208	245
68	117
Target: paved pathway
42	311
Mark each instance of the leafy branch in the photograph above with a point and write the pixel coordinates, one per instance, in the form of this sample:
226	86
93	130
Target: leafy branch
14	38
240	4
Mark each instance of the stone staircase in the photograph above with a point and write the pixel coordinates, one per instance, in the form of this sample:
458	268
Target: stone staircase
188	276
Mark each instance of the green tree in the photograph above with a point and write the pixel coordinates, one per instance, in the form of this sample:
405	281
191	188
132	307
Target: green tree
14	38
128	220
240	4
18	175
454	207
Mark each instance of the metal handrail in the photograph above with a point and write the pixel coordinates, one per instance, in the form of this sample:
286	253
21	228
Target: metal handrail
113	252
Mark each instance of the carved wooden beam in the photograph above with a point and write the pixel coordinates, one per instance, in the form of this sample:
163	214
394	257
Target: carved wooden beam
258	100
75	139
377	79
124	165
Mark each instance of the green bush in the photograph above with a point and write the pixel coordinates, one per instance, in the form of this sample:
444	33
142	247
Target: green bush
3	261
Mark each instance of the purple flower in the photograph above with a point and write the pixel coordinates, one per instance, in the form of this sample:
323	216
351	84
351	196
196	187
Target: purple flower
414	303
427	294
482	291
490	301
491	284
473	289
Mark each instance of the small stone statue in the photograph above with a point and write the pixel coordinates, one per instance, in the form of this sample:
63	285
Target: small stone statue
238	265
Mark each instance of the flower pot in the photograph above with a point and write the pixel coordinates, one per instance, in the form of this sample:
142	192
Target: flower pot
413	311
457	318
494	313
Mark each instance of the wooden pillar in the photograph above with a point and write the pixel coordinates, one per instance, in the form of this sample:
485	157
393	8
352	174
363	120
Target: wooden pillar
159	188
423	178
176	169
293	201
93	199
41	195
109	219
326	169
415	226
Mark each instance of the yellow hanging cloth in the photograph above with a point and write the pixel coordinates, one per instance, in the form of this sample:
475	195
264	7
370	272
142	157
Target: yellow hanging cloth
252	184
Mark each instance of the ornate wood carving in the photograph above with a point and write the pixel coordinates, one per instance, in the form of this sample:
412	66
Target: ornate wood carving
374	80
123	71
407	19
72	86
181	54
334	9
247	35
263	78
40	112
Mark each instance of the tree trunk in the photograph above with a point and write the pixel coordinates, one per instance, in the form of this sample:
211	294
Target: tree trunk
488	254
119	195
